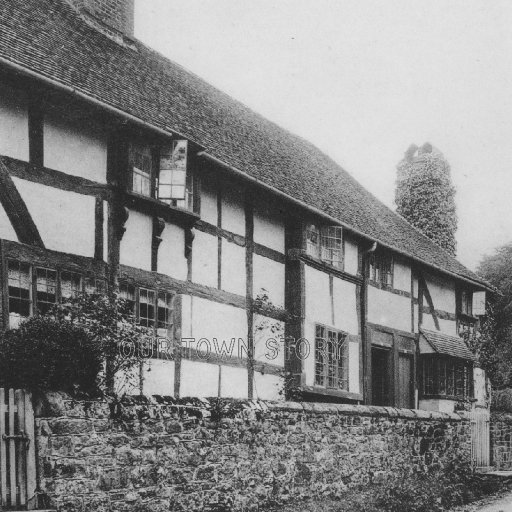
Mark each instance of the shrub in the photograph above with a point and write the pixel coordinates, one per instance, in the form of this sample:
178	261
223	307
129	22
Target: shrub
46	354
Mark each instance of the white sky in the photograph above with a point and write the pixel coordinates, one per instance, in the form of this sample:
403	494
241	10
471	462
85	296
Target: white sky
363	79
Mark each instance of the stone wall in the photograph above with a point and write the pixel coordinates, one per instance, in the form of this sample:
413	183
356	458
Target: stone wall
185	455
501	441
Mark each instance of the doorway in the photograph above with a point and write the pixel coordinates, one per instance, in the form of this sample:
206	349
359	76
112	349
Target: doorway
381	376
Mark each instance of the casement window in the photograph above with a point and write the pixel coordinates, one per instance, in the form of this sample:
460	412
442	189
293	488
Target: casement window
448	377
19	291
175	185
147	307
466	303
127	293
46	290
142	163
70	285
325	243
165	317
331	358
381	269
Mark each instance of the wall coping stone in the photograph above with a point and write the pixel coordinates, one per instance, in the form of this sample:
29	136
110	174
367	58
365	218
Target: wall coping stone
58	404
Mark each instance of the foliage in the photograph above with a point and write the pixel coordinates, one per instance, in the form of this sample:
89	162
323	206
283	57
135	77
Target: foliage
425	195
66	349
497	350
46	354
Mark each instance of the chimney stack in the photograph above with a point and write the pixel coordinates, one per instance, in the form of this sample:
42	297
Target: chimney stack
117	14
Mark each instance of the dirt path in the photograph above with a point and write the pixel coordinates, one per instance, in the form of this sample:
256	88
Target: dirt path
501	503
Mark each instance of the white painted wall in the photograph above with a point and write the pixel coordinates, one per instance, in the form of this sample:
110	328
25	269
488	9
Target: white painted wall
446	326
269	275
437	405
268	387
268	340
401	276
269	228
233	272
234	382
199	379
205	259
75	147
65	220
345	306
158	377
442	292
389	309
209	204
351	257
136	242
233	211
13	123
171	253
6	230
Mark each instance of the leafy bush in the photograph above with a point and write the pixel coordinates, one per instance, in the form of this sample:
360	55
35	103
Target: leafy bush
47	354
66	349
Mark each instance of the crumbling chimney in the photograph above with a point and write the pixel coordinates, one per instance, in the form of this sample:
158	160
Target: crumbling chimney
117	14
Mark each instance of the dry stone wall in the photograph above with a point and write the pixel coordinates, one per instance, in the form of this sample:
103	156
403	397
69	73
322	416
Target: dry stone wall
501	441
183	455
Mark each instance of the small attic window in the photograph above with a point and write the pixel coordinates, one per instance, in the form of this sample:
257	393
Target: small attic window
381	269
325	243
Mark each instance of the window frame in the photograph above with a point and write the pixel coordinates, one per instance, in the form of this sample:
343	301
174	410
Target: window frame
381	269
30	300
322	243
333	364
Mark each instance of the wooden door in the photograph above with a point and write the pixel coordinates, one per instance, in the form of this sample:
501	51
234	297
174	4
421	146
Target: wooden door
381	376
405	391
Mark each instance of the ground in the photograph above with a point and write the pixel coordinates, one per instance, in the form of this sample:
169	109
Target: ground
500	503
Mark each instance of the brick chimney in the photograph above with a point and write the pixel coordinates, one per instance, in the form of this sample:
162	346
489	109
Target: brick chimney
117	14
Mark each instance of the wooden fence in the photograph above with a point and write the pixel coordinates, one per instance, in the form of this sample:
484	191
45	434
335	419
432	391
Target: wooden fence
17	449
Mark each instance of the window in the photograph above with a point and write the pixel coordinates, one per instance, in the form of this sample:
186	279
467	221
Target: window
331	359
141	170
46	289
447	377
466	303
164	311
381	269
93	285
147	307
174	182
20	302
325	243
70	285
127	293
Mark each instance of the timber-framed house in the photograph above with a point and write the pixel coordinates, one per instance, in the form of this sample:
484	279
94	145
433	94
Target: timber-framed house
121	170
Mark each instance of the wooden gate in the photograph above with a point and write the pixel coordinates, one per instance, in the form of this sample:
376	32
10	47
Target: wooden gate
17	450
480	438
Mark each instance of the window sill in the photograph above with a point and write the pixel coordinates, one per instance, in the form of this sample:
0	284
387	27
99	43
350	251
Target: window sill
447	397
331	269
318	390
152	206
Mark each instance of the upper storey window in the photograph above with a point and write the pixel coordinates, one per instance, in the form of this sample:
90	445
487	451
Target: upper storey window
466	303
381	269
325	243
141	170
174	180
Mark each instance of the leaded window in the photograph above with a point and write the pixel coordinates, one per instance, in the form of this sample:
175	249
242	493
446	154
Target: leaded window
165	311
147	307
19	290
46	289
325	243
141	171
381	269
175	185
70	285
444	376
331	358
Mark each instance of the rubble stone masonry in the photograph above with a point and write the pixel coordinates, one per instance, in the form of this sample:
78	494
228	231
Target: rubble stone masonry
166	454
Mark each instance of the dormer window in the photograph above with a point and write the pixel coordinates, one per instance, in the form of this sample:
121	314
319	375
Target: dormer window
325	243
174	182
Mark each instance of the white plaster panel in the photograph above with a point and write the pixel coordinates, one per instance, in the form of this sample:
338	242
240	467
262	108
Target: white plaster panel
415	287
199	379
402	276
480	387
233	211
309	361
234	382
186	316
442	293
158	377
437	405
233	272
75	147
136	242
389	309
353	365
221	321
416	317
318	299
268	340
6	230
13	123
171	253
269	228
351	257
205	257
65	220
268	387
209	204
345	306
105	231
269	275
446	326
